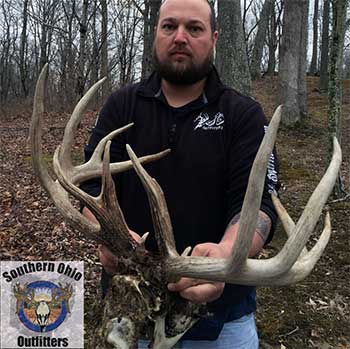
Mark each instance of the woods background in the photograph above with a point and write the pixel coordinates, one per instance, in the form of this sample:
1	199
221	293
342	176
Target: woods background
295	52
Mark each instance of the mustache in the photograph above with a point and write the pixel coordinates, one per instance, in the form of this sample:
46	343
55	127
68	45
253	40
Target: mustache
180	50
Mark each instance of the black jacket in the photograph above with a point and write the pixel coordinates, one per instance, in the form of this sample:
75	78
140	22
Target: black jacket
213	142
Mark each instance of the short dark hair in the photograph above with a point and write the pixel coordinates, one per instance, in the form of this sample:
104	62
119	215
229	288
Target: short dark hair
213	24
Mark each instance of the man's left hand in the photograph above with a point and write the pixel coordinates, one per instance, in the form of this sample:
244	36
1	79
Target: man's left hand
202	291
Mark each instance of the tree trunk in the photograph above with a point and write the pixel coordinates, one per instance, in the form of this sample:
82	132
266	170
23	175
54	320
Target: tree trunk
95	59
313	65
272	44
68	64
325	47
347	66
335	88
302	89
5	60
149	16
43	46
292	70
255	68
231	58
22	52
104	50
82	50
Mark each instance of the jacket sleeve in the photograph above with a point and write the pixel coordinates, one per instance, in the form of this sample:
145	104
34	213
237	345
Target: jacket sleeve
107	121
246	138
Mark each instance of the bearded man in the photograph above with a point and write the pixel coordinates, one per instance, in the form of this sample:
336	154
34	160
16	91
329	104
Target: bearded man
214	133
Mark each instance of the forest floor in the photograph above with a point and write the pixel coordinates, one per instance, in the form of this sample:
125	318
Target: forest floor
312	314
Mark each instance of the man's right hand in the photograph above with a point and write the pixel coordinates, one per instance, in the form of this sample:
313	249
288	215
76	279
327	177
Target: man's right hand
108	260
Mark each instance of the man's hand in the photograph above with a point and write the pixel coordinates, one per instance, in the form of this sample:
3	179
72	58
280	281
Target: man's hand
108	259
202	291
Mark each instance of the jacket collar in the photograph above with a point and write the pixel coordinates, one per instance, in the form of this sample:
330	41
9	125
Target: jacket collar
213	88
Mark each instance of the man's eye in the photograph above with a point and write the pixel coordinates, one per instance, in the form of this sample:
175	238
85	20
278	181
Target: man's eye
168	27
195	29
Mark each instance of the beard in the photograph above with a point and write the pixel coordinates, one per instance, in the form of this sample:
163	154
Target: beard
187	74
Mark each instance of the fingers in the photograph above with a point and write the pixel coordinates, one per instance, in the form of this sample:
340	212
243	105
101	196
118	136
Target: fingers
201	250
198	291
203	293
182	284
135	236
107	259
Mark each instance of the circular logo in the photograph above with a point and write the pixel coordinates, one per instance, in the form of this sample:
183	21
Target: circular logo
42	306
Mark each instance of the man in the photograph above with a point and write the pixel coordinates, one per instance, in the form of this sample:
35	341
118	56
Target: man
213	133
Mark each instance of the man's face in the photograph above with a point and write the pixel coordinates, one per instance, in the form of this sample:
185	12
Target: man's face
184	43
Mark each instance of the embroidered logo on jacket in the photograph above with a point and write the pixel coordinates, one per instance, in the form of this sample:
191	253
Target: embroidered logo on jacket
208	122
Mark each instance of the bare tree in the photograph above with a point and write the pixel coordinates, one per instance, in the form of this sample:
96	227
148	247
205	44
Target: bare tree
314	60
127	30
95	62
231	58
347	65
23	66
126	45
336	58
292	70
104	48
273	37
67	54
335	87
7	40
302	89
250	19
83	21
150	14
255	67
325	47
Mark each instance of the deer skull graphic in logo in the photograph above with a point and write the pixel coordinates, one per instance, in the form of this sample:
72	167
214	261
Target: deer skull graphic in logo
42	306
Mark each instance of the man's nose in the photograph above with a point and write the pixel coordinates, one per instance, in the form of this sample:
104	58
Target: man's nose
181	36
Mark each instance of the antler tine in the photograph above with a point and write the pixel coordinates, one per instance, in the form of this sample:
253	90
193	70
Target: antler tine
160	214
73	123
307	259
111	217
92	168
283	268
105	207
306	262
312	211
287	221
53	188
252	199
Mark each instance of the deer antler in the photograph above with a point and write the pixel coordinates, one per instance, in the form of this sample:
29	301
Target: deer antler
291	264
148	279
105	206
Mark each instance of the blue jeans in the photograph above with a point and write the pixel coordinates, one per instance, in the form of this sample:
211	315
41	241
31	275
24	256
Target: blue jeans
240	333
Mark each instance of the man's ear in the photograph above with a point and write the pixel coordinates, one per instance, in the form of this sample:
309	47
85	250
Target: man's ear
215	37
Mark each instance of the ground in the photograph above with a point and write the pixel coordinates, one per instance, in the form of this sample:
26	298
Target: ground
312	314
